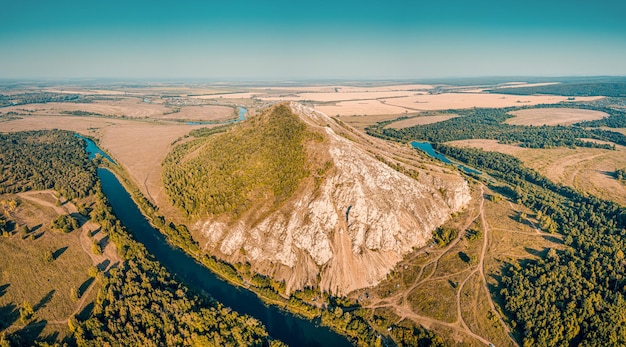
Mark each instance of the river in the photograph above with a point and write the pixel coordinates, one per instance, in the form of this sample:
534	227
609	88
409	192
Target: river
281	325
428	149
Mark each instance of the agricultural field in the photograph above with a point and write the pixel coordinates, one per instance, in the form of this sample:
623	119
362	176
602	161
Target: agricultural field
553	116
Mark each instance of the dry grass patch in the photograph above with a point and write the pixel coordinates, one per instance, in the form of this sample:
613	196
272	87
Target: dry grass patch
479	316
339	96
202	113
437	299
129	107
467	100
361	107
553	116
46	268
587	169
421	120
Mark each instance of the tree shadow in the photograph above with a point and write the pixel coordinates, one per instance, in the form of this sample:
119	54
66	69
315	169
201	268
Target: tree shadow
30	333
44	301
85	313
93	233
464	257
80	219
3	289
83	287
105	263
553	239
536	252
58	252
104	241
9	314
37	236
35	228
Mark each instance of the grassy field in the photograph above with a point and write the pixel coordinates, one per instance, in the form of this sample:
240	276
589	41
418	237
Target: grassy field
45	268
553	116
454	289
587	169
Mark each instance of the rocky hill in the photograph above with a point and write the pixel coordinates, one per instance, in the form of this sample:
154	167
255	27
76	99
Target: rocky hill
309	200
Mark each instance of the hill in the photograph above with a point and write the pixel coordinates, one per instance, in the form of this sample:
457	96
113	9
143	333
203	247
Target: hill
308	200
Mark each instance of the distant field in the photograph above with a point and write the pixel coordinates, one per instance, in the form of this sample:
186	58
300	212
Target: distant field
202	113
129	107
340	96
553	116
361	107
467	100
420	120
587	169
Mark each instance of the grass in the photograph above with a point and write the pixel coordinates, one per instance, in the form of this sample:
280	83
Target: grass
453	270
43	268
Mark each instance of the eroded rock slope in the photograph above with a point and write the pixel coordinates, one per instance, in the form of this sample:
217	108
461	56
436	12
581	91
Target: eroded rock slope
347	228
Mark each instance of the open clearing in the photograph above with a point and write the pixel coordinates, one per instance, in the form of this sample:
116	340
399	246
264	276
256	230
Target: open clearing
339	96
467	100
48	284
421	120
202	113
361	107
587	169
454	289
129	107
553	116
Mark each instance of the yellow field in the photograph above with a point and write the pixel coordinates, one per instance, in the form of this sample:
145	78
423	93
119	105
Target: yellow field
553	116
361	107
587	169
421	120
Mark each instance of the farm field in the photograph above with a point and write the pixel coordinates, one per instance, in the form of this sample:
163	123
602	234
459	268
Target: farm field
553	116
421	120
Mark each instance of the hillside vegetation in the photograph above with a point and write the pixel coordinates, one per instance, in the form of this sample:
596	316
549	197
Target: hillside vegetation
138	302
264	158
573	296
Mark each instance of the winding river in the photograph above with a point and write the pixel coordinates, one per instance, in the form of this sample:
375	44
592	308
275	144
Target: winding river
281	325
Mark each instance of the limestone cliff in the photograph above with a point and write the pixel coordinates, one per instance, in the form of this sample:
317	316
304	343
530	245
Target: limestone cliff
346	229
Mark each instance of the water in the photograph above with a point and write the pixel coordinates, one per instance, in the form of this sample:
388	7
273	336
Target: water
428	149
281	325
92	149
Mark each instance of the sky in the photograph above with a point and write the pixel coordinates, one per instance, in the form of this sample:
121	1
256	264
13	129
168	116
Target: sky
283	40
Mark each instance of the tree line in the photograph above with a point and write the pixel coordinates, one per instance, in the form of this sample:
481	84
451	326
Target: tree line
489	124
574	296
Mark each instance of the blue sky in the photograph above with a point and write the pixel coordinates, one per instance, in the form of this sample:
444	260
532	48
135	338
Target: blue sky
253	40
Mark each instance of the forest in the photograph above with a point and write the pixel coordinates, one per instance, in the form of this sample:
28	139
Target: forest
139	302
611	89
489	124
37	160
38	98
573	296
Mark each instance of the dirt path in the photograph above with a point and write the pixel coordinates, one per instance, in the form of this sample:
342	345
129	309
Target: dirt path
400	304
109	252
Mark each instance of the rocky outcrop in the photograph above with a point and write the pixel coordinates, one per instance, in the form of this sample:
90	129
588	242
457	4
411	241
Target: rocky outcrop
347	230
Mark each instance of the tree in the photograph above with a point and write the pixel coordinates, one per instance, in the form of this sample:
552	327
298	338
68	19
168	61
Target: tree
26	311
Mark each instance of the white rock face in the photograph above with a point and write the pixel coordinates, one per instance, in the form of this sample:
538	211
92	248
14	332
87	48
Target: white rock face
352	230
